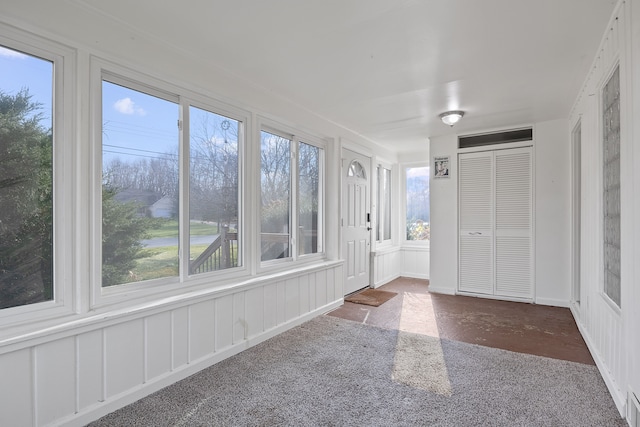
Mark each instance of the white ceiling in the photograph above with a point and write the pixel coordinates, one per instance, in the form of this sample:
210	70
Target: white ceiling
386	68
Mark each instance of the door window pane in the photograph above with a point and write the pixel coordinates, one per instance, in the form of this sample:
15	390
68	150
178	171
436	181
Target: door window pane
213	191
418	217
26	179
275	184
139	186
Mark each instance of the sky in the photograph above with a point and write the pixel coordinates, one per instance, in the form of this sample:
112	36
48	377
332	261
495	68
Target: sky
18	71
135	125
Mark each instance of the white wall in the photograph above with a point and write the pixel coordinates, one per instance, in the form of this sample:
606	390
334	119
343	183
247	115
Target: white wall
77	372
552	204
444	220
551	213
611	332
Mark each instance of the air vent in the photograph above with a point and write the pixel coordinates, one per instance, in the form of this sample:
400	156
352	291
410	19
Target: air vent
495	138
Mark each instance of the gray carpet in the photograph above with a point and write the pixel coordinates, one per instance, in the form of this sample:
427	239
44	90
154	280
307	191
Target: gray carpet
334	372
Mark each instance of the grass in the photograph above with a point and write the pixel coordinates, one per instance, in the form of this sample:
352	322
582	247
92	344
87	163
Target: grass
169	228
163	262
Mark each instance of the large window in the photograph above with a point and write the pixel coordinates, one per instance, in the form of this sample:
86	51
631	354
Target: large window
140	186
290	201
153	175
417	204
383	230
213	191
26	179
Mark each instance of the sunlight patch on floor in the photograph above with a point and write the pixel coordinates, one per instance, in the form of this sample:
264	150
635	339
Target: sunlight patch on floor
419	359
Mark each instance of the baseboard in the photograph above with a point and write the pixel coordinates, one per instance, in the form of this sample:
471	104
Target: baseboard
618	397
553	302
441	290
386	280
121	400
414	275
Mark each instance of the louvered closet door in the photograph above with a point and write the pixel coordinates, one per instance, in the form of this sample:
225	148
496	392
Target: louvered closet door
476	209
513	231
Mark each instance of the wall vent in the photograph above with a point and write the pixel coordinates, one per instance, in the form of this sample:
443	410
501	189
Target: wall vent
495	138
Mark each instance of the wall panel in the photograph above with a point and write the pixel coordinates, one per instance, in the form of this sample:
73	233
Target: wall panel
16	389
55	367
158	345
124	362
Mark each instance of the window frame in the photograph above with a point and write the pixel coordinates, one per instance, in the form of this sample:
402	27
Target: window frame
99	296
64	175
403	206
381	207
296	137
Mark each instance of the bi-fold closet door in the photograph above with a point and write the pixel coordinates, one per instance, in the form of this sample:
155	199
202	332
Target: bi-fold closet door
495	255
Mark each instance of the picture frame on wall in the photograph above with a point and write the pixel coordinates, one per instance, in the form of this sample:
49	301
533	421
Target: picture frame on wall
441	167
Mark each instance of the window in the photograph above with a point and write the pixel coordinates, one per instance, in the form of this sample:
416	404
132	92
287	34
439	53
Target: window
417	203
213	191
279	199
275	184
26	179
164	171
140	188
310	162
383	231
611	187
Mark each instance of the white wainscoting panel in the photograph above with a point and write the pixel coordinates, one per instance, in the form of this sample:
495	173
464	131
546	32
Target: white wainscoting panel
415	262
92	366
386	265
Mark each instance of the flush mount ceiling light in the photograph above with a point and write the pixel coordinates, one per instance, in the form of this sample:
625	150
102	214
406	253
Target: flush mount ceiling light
451	117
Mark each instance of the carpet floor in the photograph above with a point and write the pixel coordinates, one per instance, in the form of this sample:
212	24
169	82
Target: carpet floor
335	372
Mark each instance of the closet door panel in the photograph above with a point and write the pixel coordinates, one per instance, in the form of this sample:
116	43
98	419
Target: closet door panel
476	204
514	223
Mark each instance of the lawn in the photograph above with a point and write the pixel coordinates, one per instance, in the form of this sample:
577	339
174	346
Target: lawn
169	228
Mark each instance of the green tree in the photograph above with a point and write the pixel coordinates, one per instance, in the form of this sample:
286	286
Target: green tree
26	202
123	229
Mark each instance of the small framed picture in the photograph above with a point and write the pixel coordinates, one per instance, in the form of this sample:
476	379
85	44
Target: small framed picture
441	167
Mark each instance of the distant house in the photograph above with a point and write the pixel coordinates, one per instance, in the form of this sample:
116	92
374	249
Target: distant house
163	208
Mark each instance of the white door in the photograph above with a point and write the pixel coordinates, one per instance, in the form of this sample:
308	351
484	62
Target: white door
496	223
356	217
476	205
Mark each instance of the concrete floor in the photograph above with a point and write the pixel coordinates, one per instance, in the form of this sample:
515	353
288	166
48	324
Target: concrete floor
525	328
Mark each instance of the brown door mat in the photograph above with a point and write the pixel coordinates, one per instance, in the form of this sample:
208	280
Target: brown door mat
374	297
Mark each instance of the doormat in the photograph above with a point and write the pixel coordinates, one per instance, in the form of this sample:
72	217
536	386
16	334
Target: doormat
374	297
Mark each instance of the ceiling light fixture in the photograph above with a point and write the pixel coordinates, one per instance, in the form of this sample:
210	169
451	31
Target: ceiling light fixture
451	117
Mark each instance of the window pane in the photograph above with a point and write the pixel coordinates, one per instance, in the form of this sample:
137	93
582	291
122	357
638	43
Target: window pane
275	182
26	179
309	164
418	203
611	197
213	191
139	186
386	197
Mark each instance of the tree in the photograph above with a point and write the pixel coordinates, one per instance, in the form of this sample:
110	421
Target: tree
26	202
122	231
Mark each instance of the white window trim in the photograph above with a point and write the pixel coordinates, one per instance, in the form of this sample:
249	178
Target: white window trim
64	178
381	244
296	137
118	295
425	244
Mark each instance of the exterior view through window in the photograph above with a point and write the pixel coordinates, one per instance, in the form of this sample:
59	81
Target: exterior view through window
383	231
139	186
418	218
213	191
275	184
309	166
26	179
